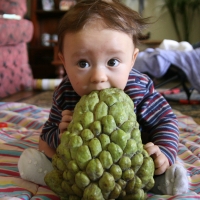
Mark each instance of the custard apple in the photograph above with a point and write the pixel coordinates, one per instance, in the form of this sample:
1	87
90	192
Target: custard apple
101	155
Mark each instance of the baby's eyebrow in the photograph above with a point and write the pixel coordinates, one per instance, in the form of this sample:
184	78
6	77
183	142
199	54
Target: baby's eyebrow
79	53
115	51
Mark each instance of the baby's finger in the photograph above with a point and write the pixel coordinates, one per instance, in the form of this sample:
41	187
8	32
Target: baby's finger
67	112
153	150
149	144
63	126
160	160
161	169
66	118
60	135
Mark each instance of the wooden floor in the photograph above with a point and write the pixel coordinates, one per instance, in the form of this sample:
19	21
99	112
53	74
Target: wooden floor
21	96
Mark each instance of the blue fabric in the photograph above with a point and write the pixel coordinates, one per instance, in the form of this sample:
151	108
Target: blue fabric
157	61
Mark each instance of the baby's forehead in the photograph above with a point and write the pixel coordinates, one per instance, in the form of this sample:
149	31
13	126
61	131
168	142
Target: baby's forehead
95	22
107	1
94	28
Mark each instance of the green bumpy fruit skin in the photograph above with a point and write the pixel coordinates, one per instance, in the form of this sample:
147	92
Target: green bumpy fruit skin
101	155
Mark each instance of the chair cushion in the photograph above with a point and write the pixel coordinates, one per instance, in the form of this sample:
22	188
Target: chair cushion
17	7
15	72
13	32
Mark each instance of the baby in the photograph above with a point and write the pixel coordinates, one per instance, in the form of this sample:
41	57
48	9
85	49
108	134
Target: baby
98	47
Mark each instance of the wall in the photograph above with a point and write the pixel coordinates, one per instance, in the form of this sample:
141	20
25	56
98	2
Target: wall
163	27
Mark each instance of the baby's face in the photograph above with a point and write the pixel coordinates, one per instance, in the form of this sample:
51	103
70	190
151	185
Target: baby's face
97	58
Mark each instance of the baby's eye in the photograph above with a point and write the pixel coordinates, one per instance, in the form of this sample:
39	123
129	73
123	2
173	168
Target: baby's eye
113	62
83	64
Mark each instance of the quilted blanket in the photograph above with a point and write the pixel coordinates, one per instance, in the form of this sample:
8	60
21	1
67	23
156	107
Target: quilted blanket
23	126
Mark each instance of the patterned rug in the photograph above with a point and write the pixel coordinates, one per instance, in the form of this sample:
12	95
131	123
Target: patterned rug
190	110
24	127
45	100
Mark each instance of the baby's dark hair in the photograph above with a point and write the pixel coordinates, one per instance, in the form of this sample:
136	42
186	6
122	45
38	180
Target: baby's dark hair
114	14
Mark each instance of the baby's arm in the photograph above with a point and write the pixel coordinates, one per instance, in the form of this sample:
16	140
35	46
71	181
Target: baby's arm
172	180
43	145
46	149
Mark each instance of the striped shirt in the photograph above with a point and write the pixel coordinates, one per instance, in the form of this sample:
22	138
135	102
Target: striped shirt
158	124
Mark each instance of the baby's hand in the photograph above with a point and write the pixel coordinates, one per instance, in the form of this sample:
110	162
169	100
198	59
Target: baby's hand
66	119
160	160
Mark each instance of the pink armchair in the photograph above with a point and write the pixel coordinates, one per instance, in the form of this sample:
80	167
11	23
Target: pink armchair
15	72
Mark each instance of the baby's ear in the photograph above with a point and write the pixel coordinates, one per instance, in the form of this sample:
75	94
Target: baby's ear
60	55
135	53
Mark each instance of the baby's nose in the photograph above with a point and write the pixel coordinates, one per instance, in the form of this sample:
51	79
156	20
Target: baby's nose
98	76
